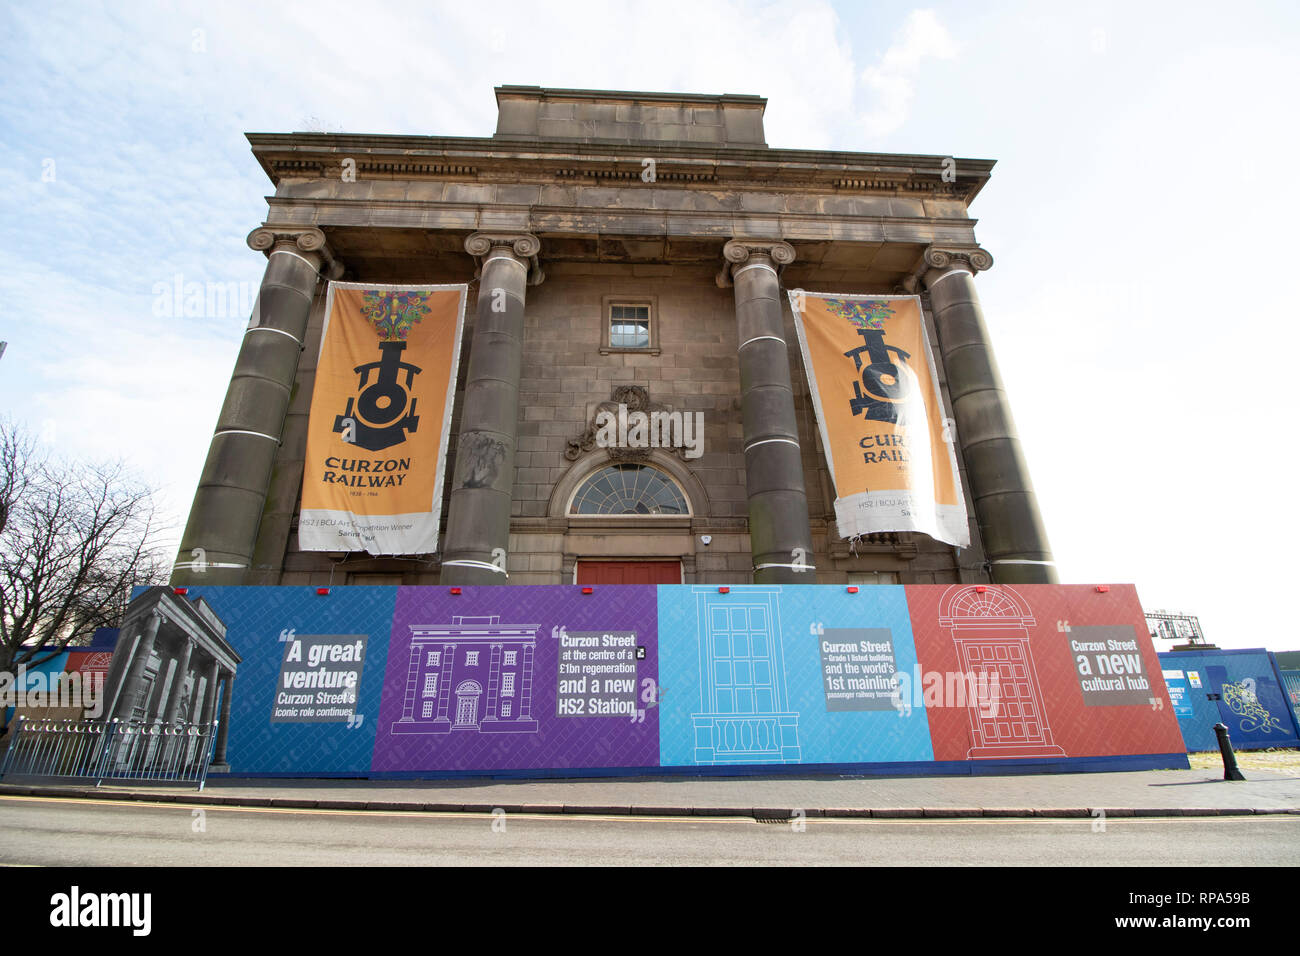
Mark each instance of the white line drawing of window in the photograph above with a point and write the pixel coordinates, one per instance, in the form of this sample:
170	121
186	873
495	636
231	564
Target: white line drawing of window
430	685
510	658
427	710
435	658
744	716
505	708
471	659
508	685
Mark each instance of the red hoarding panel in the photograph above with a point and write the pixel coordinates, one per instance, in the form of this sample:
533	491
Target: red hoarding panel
1064	671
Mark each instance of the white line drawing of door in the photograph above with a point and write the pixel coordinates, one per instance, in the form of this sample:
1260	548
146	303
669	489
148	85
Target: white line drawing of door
990	630
467	696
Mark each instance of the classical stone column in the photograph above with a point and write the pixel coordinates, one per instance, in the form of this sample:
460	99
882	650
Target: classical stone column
1005	507
478	519
223	728
178	683
209	696
779	532
217	546
135	674
197	689
120	666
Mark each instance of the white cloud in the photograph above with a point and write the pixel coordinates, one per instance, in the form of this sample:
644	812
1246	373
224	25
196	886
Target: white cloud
891	83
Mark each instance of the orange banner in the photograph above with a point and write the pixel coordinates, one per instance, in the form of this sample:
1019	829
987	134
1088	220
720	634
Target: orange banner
876	391
377	433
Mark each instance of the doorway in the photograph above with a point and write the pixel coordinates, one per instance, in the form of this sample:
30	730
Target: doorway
628	572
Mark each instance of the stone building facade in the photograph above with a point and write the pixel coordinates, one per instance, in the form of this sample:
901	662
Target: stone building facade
644	242
172	663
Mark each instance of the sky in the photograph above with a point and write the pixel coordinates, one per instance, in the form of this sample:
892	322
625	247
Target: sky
1142	302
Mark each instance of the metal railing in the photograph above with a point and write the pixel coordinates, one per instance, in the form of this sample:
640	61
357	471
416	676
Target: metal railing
110	750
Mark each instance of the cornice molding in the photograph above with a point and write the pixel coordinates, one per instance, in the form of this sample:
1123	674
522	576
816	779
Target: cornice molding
319	156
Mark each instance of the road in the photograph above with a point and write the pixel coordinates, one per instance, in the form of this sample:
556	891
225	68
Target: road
45	831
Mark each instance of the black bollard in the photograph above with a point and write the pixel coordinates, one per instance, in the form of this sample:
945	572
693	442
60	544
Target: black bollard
1230	769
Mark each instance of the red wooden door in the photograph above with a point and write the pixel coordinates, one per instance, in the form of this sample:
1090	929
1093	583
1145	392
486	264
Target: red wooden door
629	572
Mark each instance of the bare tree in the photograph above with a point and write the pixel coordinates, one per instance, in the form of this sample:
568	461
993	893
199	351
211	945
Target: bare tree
74	540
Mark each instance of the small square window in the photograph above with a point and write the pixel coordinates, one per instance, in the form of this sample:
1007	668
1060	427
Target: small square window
510	657
630	325
471	659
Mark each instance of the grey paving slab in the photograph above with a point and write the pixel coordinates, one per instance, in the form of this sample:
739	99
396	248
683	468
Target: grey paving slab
1159	792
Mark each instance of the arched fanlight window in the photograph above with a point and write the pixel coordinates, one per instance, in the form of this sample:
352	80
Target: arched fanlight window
629	490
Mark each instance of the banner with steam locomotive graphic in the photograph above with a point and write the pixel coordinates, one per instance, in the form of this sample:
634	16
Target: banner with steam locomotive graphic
377	433
876	392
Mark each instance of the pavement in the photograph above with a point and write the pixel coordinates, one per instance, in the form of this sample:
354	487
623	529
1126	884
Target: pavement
1156	793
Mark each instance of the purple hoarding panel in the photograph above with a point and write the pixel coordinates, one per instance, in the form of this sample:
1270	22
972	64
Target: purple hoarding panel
482	681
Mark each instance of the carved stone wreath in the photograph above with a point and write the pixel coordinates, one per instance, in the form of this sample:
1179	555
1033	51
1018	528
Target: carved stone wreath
637	399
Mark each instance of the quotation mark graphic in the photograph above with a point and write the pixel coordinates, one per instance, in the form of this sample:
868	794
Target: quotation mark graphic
287	635
355	721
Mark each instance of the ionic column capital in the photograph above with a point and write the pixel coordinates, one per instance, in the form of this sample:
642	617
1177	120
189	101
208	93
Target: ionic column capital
940	261
775	254
306	242
521	246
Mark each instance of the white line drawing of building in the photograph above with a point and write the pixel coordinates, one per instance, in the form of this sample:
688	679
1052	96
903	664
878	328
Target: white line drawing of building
472	674
744	706
990	626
